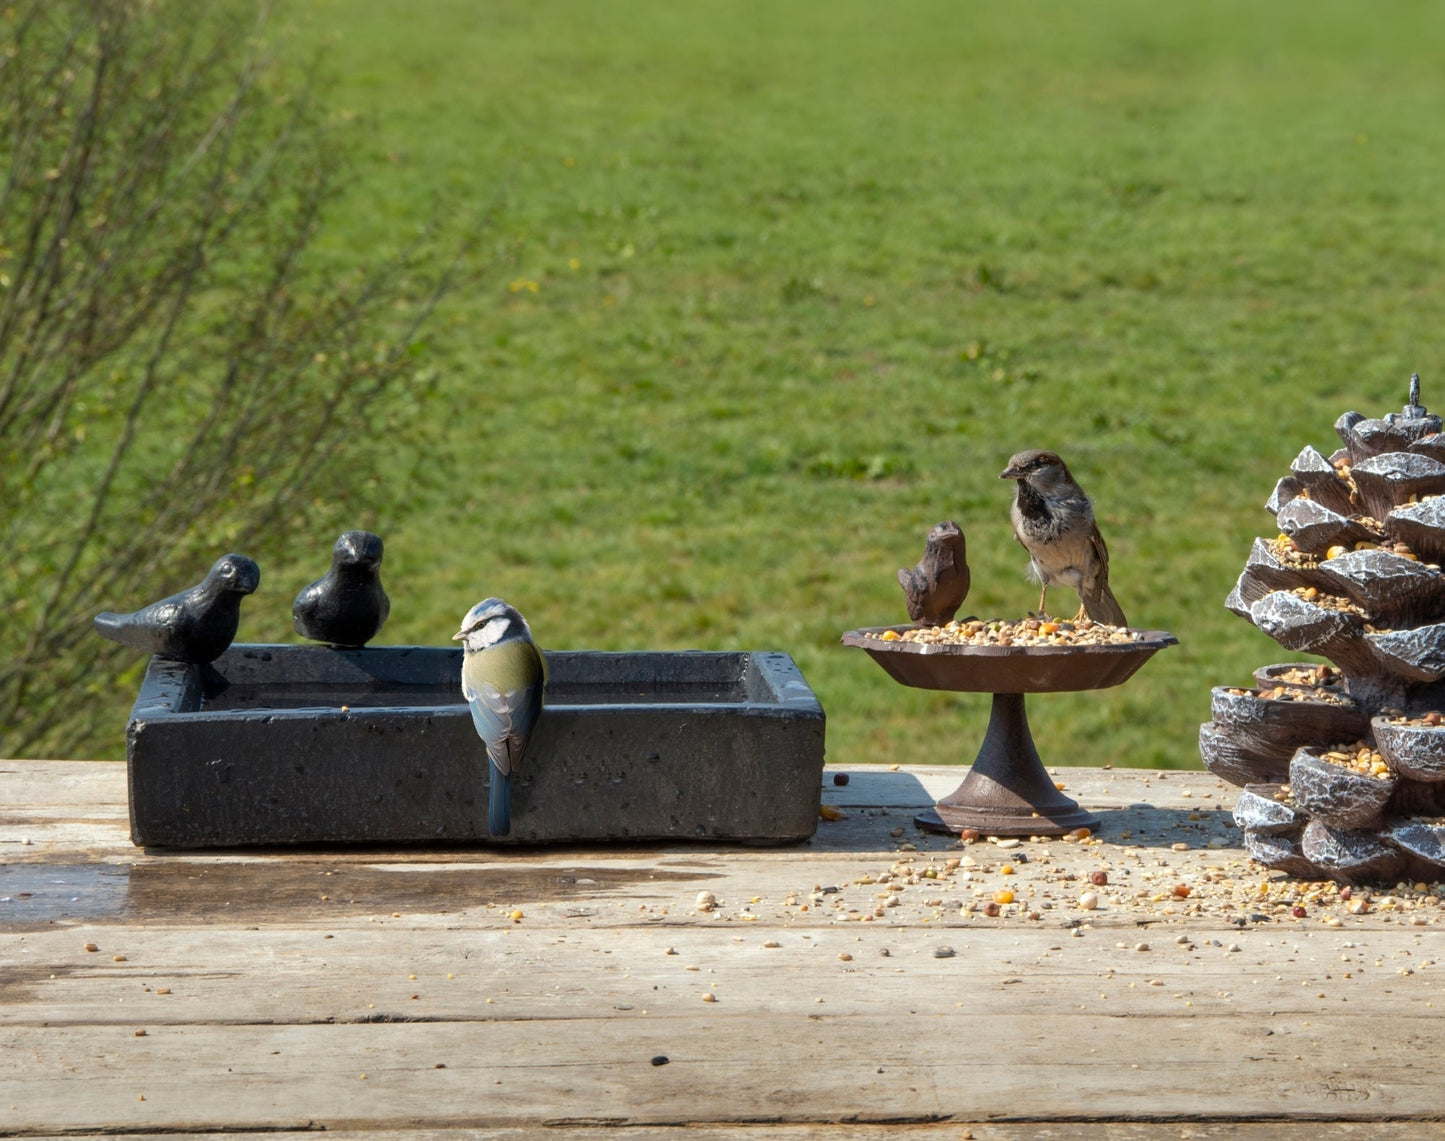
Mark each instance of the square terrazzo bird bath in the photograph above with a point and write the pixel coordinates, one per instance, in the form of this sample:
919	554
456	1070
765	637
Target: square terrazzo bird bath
292	744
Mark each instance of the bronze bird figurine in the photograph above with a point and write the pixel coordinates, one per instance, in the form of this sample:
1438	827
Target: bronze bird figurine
936	588
1054	520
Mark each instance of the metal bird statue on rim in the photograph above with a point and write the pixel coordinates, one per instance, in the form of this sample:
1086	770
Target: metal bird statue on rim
347	606
193	625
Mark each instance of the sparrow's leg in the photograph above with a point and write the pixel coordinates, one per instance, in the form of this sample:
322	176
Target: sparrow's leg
1043	594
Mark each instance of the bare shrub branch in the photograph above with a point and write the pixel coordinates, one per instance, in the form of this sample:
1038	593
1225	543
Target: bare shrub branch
180	372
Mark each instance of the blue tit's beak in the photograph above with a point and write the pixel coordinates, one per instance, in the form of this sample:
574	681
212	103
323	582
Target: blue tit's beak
458	636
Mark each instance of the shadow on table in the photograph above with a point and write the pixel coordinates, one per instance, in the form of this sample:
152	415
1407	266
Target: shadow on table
878	810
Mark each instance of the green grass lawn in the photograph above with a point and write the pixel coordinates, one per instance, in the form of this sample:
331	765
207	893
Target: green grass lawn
772	288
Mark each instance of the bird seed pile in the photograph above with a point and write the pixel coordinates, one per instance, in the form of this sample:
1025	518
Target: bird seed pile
1360	758
1287	552
1331	601
1312	676
1283	693
1431	720
1028	632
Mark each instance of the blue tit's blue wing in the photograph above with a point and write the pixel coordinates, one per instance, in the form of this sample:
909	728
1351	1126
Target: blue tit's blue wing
503	687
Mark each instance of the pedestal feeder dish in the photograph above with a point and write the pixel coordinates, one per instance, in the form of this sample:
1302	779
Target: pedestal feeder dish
1344	764
1007	791
283	744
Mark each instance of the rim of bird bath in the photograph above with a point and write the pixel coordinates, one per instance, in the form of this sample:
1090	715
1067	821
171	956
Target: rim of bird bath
1007	792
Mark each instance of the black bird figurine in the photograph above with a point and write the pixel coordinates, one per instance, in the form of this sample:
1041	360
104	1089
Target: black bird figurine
347	606
195	625
937	587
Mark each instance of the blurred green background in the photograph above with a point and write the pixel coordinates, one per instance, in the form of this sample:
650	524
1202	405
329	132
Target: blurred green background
772	288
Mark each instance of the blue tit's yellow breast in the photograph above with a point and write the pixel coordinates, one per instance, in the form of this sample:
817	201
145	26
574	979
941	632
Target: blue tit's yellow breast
508	666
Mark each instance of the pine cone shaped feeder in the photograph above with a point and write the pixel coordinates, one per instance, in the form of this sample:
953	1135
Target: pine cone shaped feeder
1343	765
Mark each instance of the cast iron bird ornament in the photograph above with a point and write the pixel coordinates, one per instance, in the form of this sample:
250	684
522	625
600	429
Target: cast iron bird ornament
195	625
936	588
347	606
1054	520
503	675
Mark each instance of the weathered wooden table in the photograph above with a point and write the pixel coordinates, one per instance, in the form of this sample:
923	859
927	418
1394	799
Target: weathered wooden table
851	987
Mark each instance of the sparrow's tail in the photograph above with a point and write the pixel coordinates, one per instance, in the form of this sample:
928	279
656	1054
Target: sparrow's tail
499	803
1103	607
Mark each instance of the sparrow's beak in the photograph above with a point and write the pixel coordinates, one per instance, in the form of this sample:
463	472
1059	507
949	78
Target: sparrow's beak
1011	472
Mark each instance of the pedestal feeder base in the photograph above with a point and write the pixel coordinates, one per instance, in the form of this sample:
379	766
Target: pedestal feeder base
1007	791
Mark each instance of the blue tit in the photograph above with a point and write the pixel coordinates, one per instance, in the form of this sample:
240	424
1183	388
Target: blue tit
503	675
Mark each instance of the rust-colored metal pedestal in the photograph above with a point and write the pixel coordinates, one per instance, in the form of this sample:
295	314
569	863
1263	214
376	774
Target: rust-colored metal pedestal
1007	791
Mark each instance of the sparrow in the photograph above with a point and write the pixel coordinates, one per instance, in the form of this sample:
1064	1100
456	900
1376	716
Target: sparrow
936	588
347	606
195	625
503	676
1054	520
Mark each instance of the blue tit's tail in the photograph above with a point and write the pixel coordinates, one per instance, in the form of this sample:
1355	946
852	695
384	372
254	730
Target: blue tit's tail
499	803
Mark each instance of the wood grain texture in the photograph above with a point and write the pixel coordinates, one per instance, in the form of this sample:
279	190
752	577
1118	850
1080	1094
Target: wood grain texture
505	991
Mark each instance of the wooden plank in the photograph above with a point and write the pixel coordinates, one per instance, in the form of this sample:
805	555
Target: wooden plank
762	1067
1192	1130
917	786
42	785
358	974
49	788
81	807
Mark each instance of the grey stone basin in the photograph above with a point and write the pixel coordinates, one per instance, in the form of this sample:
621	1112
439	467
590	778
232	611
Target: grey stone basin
311	744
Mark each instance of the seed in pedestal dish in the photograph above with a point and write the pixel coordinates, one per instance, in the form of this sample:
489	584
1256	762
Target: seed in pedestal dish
1027	632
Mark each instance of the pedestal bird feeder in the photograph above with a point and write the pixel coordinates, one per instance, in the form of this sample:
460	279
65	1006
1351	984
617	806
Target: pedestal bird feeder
1007	791
1343	764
